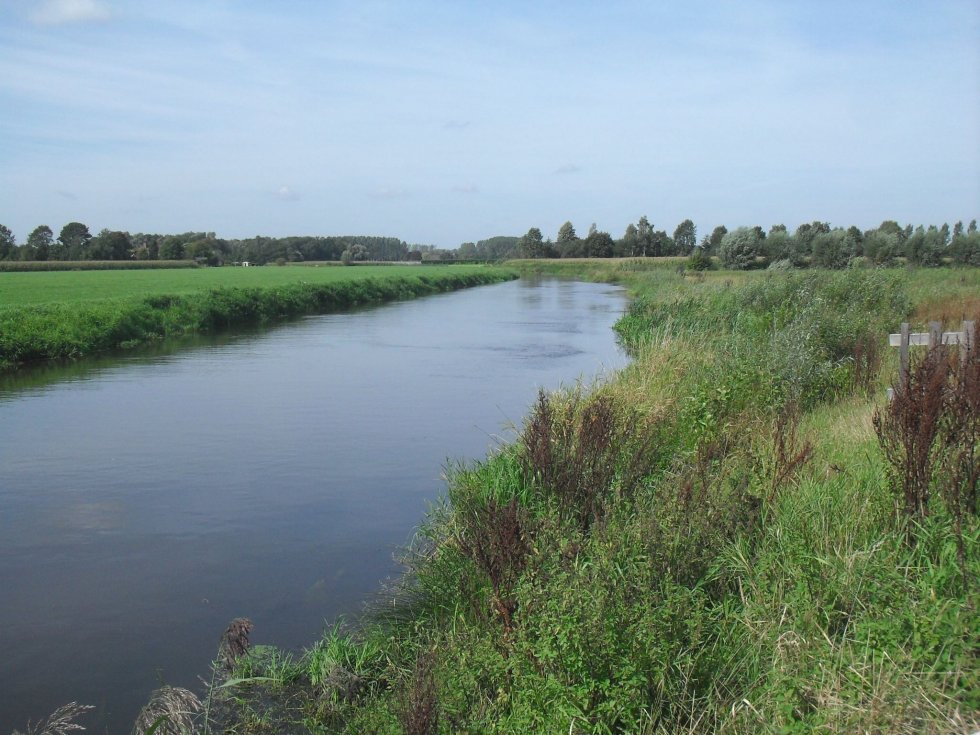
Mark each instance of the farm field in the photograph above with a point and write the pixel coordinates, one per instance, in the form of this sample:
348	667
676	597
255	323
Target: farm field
66	287
67	315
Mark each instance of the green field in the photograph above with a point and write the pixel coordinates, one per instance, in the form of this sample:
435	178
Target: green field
67	287
67	314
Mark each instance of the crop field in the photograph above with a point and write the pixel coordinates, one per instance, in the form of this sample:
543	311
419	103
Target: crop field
68	287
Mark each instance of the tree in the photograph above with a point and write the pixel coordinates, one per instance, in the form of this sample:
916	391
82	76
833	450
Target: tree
628	246
833	249
881	247
685	237
644	236
39	242
716	237
8	243
739	248
109	245
599	244
172	248
566	233
74	238
531	245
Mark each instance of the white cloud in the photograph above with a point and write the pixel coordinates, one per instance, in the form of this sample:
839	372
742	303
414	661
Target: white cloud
56	12
466	189
286	194
568	168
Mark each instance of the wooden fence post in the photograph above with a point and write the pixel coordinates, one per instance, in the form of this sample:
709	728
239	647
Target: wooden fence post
903	357
966	344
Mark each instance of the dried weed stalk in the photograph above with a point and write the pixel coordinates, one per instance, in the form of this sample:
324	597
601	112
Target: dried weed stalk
234	643
788	454
576	453
909	428
494	536
59	722
419	714
171	710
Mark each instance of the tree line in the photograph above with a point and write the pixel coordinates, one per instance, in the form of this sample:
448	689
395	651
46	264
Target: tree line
815	243
76	242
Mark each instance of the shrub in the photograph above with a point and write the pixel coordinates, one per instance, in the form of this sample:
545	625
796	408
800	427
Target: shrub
740	248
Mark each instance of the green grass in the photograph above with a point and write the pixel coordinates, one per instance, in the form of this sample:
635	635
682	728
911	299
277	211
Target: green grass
72	287
66	315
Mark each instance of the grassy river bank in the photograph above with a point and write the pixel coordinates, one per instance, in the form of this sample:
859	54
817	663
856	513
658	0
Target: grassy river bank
56	315
715	541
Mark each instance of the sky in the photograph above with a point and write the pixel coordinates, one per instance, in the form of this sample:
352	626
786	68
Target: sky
446	122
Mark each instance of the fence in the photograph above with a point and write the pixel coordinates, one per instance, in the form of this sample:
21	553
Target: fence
935	336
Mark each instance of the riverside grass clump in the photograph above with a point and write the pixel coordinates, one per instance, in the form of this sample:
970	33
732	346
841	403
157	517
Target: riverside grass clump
712	543
85	325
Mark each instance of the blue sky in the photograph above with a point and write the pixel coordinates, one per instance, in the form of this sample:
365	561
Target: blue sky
446	122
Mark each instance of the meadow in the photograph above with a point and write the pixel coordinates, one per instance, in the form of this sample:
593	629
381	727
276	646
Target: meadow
69	314
724	539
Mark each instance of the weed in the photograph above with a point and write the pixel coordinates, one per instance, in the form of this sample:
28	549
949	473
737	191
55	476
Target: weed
419	713
59	722
170	711
494	536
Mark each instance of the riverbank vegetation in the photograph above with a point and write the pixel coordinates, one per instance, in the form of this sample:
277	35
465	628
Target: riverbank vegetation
739	534
68	314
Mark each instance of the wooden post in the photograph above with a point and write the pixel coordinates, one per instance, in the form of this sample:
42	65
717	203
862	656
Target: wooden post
935	334
966	344
903	357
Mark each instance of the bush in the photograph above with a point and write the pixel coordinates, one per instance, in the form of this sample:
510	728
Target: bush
740	248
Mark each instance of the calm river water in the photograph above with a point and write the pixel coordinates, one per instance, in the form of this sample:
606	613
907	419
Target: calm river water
147	500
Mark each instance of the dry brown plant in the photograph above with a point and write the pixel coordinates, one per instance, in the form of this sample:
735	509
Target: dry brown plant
171	710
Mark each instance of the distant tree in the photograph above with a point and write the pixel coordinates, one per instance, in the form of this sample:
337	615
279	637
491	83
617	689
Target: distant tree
467	251
833	249
881	247
39	242
566	233
717	234
644	236
739	248
804	236
629	245
777	228
202	251
599	244
958	229
685	237
74	238
8	243
172	248
858	237
780	246
891	227
358	252
531	245
972	228
109	245
924	247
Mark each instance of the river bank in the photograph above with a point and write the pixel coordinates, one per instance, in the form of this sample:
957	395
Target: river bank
56	320
714	542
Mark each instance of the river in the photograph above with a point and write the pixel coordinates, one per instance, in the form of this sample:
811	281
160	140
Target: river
148	499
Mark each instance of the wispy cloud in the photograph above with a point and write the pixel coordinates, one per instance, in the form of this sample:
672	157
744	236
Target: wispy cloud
67	195
456	124
466	189
285	194
568	168
58	12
